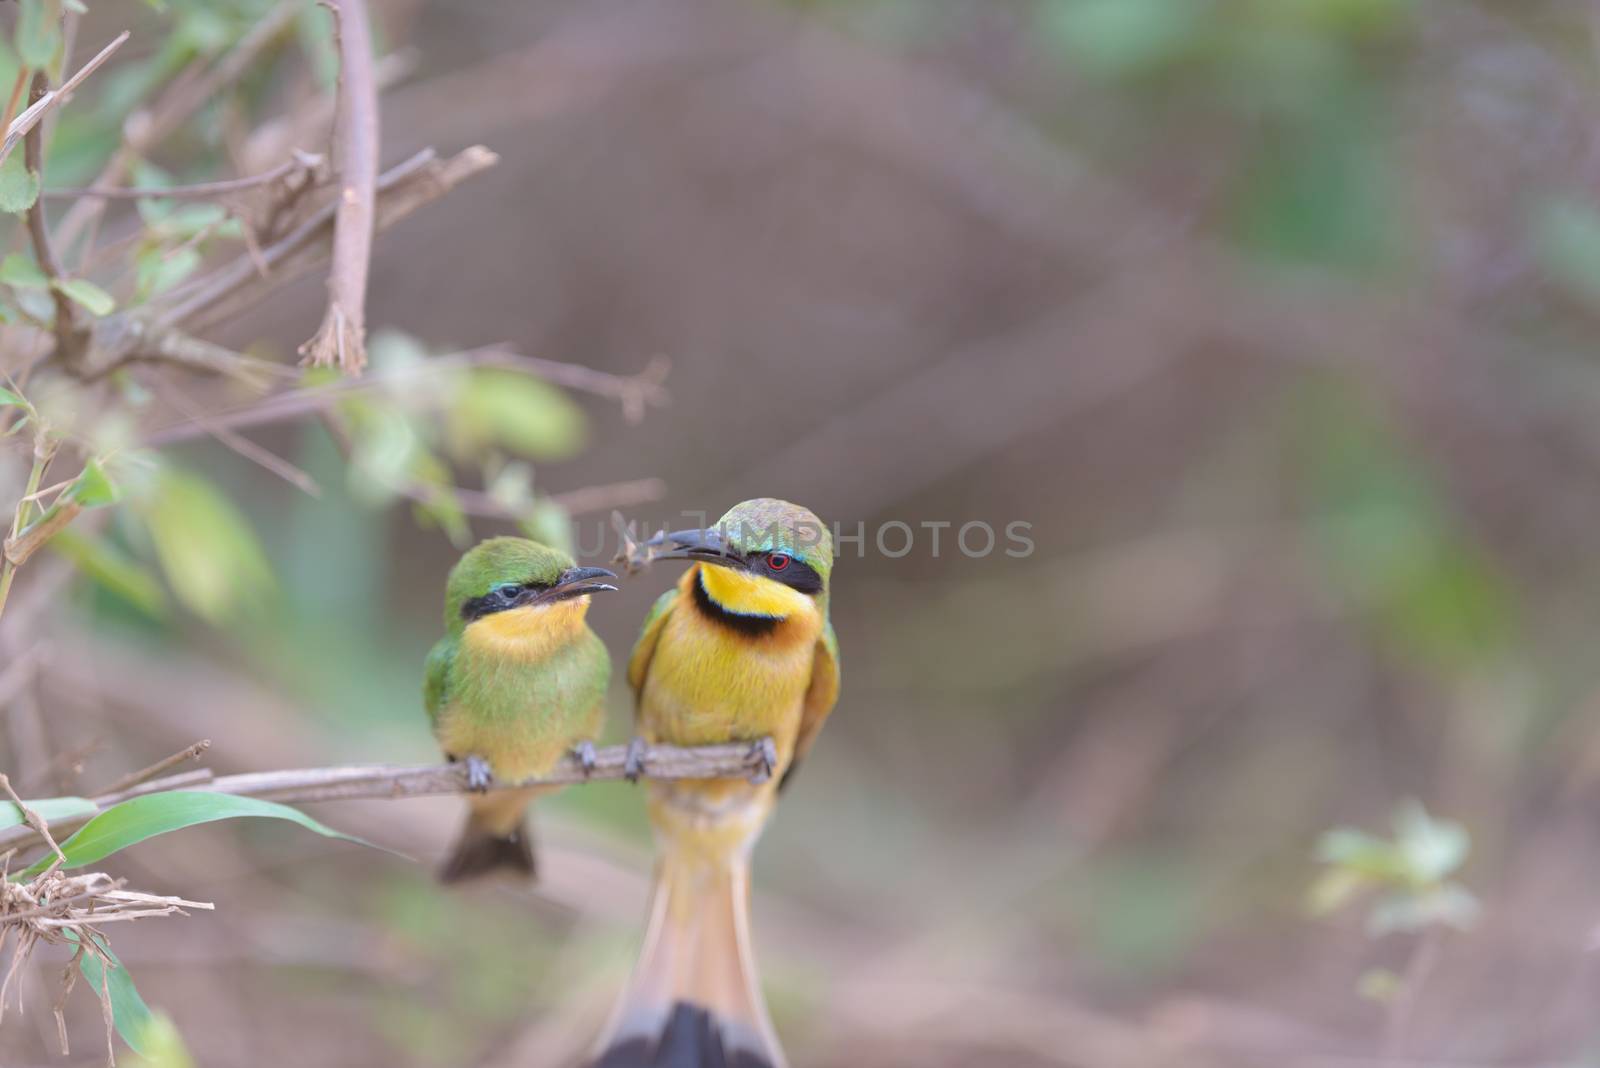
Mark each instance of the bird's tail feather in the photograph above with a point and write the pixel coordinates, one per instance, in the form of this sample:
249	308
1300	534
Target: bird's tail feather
494	841
694	1000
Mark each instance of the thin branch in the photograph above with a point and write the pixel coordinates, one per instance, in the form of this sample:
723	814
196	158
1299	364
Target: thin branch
342	338
189	752
243	446
43	101
183	98
663	762
32	819
70	333
401	190
198	191
635	392
643	388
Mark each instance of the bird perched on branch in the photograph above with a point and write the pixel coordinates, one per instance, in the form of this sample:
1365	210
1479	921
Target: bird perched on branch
517	681
740	650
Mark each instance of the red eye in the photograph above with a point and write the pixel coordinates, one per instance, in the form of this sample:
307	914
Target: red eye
777	561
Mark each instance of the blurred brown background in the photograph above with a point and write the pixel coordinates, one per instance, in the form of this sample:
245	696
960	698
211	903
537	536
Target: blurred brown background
1273	319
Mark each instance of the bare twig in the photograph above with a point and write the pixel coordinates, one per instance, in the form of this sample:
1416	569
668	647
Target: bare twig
146	127
342	338
665	762
635	392
43	101
401	190
188	752
70	333
589	499
243	446
198	191
32	819
292	404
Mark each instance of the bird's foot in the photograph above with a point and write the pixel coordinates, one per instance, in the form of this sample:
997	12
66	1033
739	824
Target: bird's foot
479	777
765	756
584	752
633	763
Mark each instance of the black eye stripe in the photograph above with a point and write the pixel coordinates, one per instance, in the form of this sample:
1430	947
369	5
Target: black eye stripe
794	573
499	599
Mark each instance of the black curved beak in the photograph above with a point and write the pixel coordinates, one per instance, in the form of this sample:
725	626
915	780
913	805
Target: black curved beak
576	582
707	546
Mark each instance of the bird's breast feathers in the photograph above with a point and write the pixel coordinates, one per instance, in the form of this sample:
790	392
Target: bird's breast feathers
708	683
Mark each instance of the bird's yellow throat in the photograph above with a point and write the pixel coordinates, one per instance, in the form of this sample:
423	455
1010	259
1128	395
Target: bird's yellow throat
528	633
752	595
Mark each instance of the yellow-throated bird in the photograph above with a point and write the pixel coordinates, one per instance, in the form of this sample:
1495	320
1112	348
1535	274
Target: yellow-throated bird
740	650
517	681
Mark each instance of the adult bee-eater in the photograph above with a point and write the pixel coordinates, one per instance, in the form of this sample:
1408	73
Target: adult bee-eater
740	650
517	681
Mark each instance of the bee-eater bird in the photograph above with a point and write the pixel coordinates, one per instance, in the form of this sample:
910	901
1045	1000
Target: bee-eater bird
517	681
740	650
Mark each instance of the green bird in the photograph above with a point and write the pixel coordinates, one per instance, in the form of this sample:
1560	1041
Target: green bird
517	682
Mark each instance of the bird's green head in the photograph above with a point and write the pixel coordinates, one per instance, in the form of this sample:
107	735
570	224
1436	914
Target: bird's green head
503	575
768	557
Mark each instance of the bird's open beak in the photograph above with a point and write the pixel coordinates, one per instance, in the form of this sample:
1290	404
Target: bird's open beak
707	546
575	582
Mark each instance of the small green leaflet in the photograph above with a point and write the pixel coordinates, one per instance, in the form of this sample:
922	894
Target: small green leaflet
128	1010
50	809
19	187
9	399
19	271
140	818
92	488
85	292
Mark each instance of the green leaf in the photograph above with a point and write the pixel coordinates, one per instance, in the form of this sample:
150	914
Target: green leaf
9	399
49	809
515	411
1432	848
1566	236
38	35
550	524
19	271
129	1013
159	271
161	1046
112	570
1362	853
206	548
1120	37
19	187
1380	985
1450	905
85	292
92	488
140	818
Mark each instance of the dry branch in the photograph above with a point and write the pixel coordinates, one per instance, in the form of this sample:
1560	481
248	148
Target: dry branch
665	762
342	338
298	163
69	330
48	99
401	190
643	389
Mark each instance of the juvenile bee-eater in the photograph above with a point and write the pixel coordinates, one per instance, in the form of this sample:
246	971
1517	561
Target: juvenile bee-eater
740	650
517	681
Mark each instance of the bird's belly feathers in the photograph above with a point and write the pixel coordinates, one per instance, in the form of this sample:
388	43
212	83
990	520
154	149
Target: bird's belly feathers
708	685
523	716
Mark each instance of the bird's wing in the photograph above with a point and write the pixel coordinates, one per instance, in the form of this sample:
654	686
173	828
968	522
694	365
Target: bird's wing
645	647
436	678
821	696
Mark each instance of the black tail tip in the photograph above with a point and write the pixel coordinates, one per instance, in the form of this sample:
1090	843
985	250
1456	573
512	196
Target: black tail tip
692	1038
479	854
